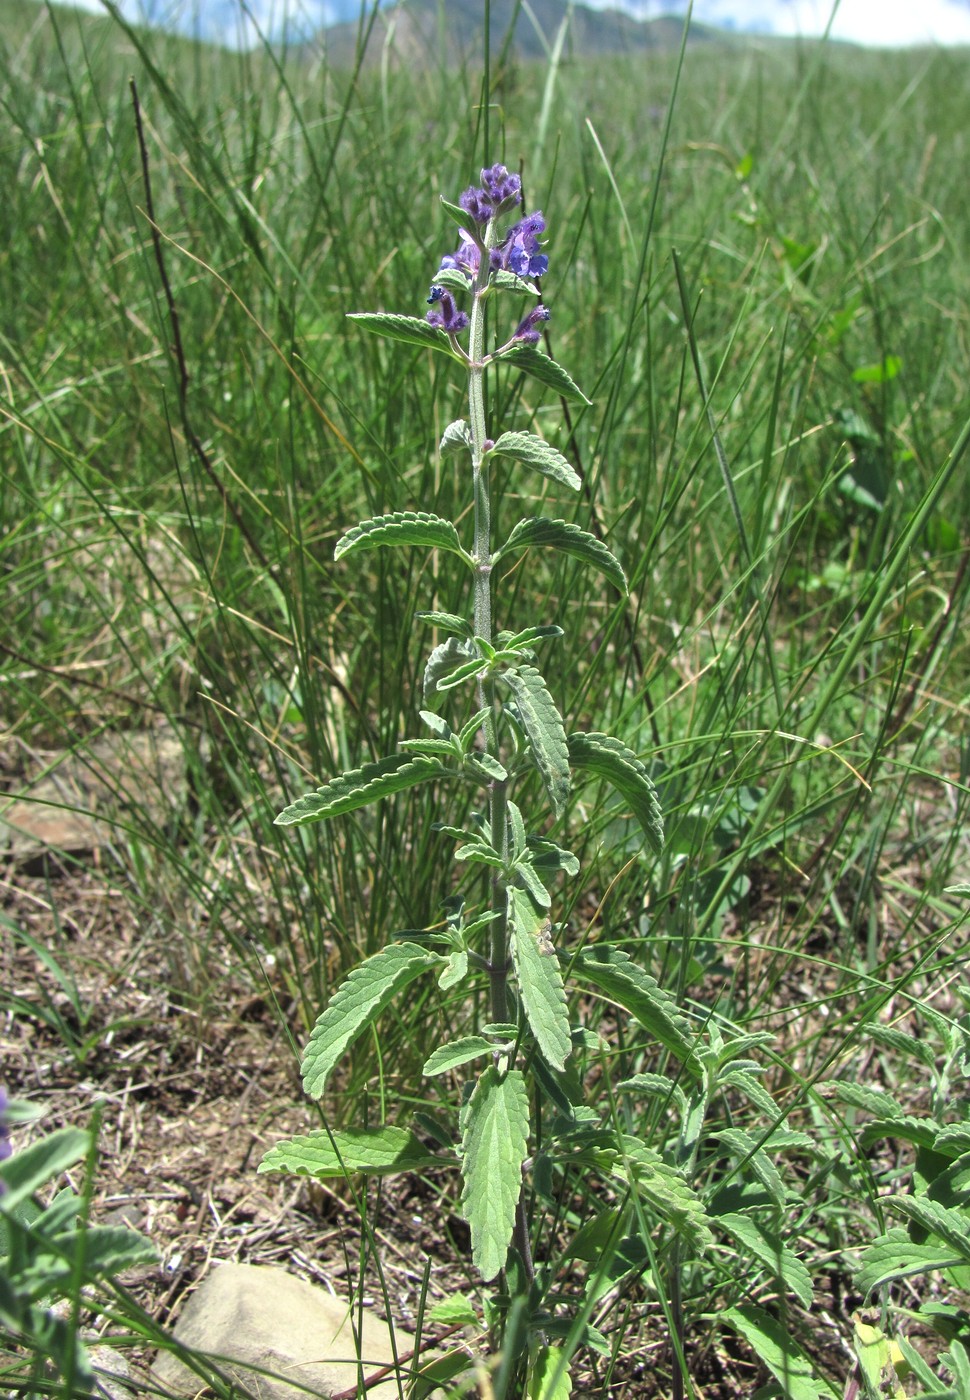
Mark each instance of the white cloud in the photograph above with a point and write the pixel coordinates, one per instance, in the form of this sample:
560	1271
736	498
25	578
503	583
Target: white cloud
884	22
879	22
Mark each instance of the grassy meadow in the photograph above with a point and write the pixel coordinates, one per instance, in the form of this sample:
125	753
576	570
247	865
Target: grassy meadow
759	275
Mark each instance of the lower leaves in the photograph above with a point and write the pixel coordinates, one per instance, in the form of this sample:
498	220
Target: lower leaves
369	1151
494	1146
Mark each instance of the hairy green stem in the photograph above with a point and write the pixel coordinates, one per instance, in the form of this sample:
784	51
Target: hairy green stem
487	698
498	959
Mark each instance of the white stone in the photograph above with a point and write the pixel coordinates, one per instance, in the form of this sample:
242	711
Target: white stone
260	1316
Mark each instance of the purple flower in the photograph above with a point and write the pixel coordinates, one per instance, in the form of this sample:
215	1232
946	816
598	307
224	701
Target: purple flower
444	313
467	257
520	247
527	326
502	188
477	204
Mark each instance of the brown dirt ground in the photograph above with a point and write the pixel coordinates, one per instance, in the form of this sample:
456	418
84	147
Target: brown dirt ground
188	1107
188	1110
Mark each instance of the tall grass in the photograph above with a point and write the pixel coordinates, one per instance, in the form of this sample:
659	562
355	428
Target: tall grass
768	301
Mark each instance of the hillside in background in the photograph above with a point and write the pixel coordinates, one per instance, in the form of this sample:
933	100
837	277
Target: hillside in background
420	31
415	30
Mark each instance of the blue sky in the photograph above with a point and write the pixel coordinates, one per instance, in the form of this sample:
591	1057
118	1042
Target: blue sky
878	22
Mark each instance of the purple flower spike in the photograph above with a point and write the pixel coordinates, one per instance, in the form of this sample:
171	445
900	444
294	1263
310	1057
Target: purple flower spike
527	331
445	314
477	204
502	188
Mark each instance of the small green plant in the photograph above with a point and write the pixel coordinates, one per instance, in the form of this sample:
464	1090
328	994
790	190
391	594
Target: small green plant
520	1113
51	1258
520	1132
933	1237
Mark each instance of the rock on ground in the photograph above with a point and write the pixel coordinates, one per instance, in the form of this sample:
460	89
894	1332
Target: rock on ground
260	1316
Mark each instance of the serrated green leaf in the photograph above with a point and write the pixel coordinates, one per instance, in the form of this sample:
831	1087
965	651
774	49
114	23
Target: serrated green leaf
657	1086
894	1256
610	759
921	1131
480	852
771	1251
533	362
501	1030
455	211
753	1090
613	973
357	1003
515	640
517	833
455	971
447	622
409	330
436	748
493	1148
664	1188
952	1139
444	658
108	1250
457	833
32	1167
361	786
756	1160
957	1362
468	670
875	1101
472	727
544	728
529	880
509	282
903	1044
403	527
457	437
372	1151
951	1187
533	451
457	1053
437	724
549	1377
951	1225
455	1311
453	278
546	855
568	539
485	766
776	1347
540	980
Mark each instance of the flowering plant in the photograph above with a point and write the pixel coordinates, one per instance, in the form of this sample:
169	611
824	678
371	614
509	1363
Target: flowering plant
521	1125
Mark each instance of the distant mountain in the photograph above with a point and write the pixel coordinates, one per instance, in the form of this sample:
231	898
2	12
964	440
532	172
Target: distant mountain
415	29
